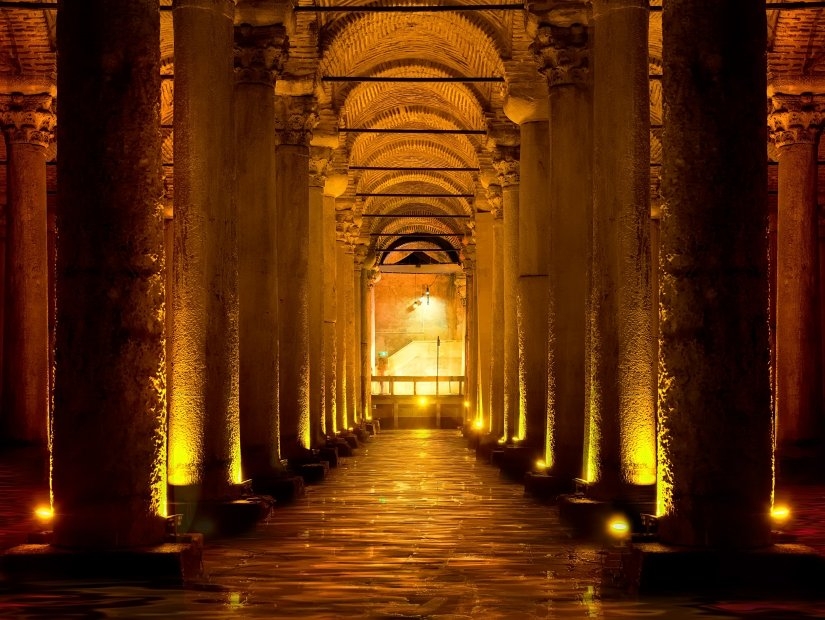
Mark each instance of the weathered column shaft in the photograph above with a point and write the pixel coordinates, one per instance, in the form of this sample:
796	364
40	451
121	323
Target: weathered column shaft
109	427
533	291
471	336
319	157
27	123
204	434
370	278
358	352
259	55
353	347
497	426
796	123
565	59
622	443
715	426
342	258
507	166
295	119
330	312
484	314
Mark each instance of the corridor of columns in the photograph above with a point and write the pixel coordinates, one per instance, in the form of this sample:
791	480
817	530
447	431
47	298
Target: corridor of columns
569	229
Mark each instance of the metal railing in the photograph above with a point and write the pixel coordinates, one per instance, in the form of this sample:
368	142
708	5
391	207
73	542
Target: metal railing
407	385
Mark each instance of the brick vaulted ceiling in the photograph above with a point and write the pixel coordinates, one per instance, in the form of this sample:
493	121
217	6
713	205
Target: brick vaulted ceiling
487	44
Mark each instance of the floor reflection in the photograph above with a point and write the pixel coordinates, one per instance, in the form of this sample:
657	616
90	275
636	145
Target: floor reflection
412	527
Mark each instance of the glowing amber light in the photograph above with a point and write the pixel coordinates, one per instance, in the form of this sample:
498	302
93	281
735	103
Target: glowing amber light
44	513
422	401
780	513
478	424
467	403
618	527
541	465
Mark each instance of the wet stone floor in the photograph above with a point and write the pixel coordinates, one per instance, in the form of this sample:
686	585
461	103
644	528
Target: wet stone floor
413	526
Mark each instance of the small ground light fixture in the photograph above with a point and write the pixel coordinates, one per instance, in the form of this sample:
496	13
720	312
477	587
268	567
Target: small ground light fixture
618	527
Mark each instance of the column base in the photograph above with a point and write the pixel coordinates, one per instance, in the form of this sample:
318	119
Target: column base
239	512
589	517
547	486
649	568
516	461
170	563
283	487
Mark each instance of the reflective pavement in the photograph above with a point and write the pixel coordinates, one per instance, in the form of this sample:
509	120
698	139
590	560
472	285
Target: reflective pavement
412	527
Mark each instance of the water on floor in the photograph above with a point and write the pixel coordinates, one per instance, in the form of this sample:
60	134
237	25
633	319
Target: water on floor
412	527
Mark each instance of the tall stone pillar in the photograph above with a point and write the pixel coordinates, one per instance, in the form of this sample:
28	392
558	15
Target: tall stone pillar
260	53
484	314
715	427
362	263
795	124
497	425
335	185
352	346
506	163
204	433
109	427
318	160
371	276
621	435
469	264
295	119
562	49
342	259
27	124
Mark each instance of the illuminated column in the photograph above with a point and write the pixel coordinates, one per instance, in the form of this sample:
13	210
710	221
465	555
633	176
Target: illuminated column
468	263
259	55
506	164
497	426
620	437
318	160
27	124
295	118
360	265
795	126
484	303
561	45
109	427
352	344
341	346
371	276
527	107
714	387
204	435
335	185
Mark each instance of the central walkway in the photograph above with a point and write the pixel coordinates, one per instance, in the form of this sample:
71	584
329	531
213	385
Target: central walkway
412	527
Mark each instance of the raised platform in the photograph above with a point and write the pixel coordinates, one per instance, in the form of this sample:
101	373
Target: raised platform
547	487
171	563
649	568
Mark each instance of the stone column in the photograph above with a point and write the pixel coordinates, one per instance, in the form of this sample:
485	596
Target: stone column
109	427
715	427
469	263
342	258
562	49
260	53
318	160
335	186
361	264
506	163
371	277
497	425
295	119
484	314
352	344
795	124
621	435
204	433
27	124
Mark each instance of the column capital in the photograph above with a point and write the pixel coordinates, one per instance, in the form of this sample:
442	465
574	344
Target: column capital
496	201
346	228
373	276
506	164
260	53
361	252
562	54
27	119
319	159
295	119
468	257
795	119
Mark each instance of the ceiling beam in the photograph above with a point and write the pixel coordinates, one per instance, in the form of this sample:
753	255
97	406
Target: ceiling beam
410	195
461	132
418	168
420	8
417	216
417	80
